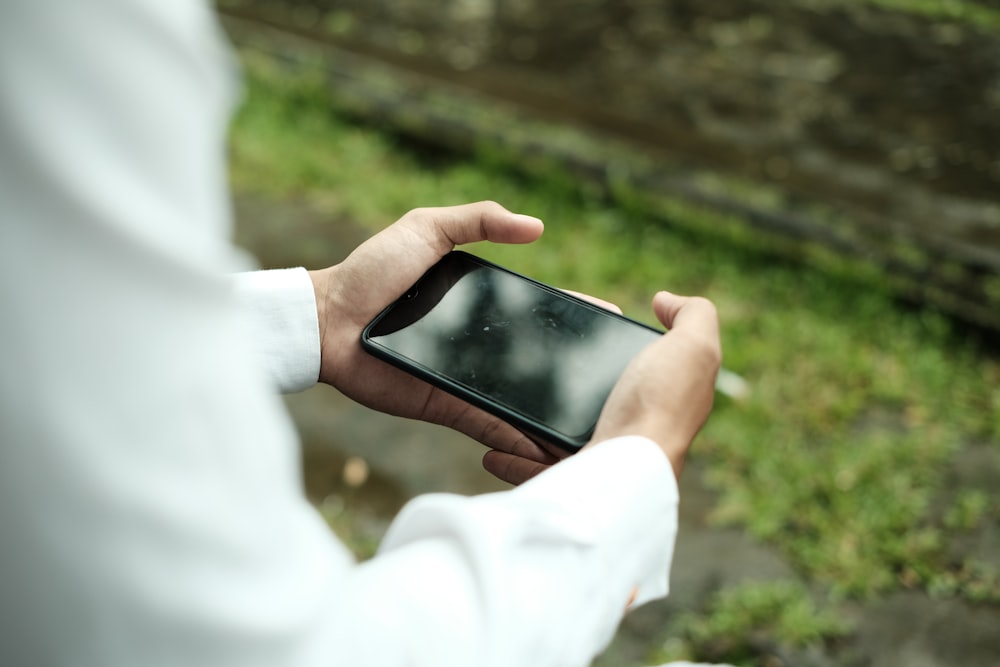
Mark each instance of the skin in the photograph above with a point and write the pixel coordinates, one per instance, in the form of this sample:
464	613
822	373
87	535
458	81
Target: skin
665	394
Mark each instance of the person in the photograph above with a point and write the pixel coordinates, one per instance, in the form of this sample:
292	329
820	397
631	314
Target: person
151	509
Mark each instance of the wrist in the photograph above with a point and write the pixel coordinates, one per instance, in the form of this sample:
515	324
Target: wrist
666	438
321	280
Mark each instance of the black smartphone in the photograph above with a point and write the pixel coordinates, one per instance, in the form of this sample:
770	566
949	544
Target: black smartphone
537	357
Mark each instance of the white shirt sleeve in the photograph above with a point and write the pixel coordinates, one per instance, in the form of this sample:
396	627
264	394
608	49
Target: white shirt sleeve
540	575
151	509
281	306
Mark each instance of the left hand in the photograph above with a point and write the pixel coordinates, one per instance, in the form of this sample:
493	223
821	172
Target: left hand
350	294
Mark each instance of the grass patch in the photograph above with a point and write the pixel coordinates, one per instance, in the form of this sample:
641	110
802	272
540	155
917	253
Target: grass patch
752	625
959	11
859	406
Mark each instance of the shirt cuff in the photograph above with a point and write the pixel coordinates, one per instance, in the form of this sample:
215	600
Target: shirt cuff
281	308
627	491
582	537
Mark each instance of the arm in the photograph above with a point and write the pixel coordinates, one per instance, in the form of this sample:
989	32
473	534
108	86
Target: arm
149	487
540	575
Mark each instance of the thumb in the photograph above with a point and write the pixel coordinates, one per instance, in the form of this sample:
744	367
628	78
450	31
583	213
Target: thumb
446	227
687	313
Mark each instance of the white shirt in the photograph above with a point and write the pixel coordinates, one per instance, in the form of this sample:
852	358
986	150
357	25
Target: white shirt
151	510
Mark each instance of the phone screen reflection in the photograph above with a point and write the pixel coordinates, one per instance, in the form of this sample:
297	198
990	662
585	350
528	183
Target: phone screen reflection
518	344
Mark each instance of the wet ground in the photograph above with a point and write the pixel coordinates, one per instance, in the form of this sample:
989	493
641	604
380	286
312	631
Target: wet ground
372	464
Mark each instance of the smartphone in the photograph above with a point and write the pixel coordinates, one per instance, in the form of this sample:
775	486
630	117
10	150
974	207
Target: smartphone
535	356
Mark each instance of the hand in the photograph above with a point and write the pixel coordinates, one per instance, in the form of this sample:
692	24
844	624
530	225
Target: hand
665	394
352	293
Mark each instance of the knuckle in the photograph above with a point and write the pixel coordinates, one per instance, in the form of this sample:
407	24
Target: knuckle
706	349
707	345
488	208
418	215
489	431
705	305
711	352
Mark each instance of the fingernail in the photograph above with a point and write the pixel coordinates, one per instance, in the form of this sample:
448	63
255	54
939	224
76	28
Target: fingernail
528	218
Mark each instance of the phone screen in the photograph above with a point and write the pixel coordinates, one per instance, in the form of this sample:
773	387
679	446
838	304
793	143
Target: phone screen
514	346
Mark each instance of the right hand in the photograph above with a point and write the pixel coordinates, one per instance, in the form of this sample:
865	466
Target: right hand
666	393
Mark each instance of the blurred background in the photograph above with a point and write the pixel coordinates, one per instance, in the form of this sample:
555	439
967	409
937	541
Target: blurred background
827	171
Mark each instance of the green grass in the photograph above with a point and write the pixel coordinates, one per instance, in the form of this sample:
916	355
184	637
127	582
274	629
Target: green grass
961	11
742	621
842	455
